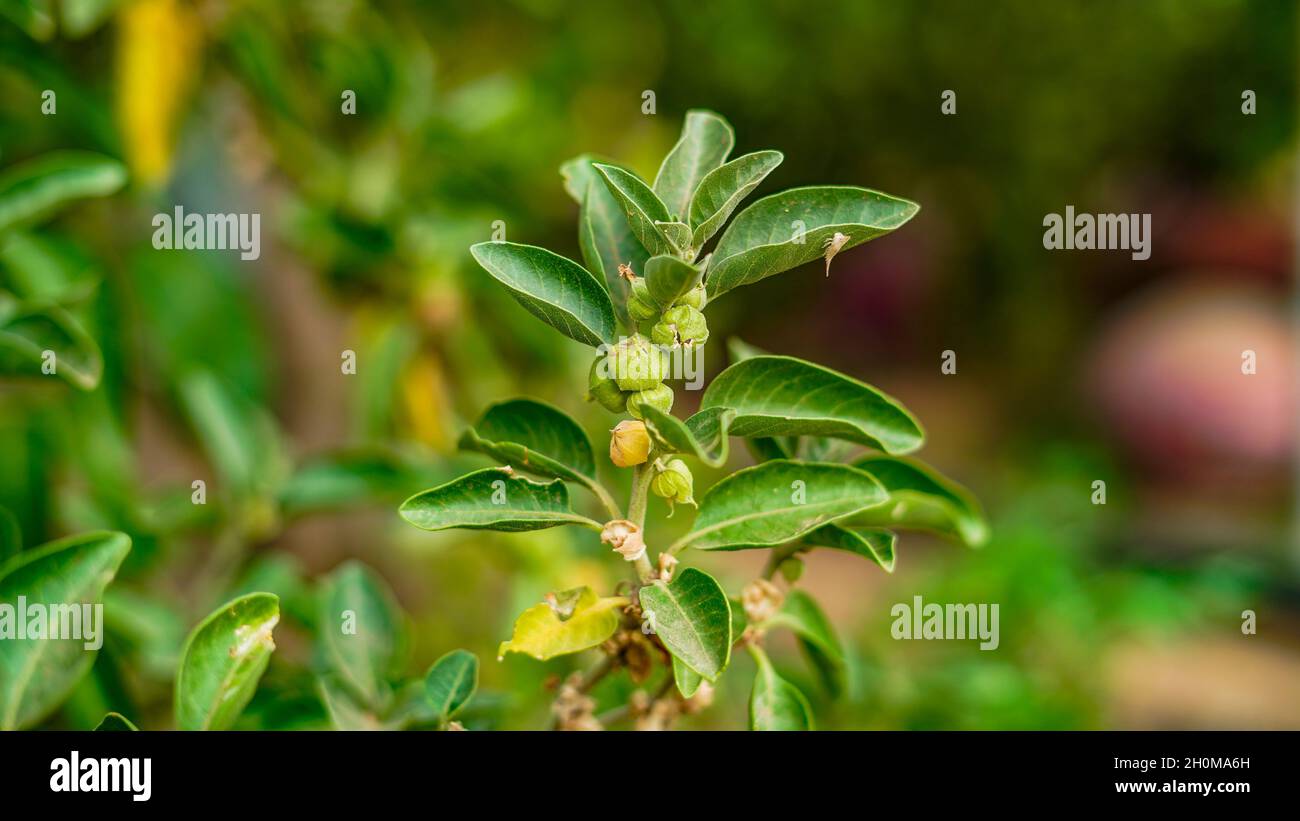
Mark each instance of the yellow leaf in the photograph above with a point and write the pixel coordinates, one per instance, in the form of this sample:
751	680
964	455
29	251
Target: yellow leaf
157	52
540	633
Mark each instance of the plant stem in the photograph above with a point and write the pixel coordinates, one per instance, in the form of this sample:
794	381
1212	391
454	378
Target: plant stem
636	510
611	507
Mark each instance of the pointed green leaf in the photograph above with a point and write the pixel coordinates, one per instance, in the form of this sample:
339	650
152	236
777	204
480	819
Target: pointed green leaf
542	634
784	396
345	712
786	230
920	497
533	436
451	682
777	502
870	543
493	499
706	141
692	617
361	631
223	659
802	615
603	233
37	188
687	680
37	673
668	278
774	703
640	206
27	331
115	722
556	290
703	436
722	190
677	233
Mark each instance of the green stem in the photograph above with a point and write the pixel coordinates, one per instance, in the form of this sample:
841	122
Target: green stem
611	507
636	510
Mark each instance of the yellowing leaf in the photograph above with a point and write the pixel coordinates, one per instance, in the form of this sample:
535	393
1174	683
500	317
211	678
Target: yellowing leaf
157	52
540	633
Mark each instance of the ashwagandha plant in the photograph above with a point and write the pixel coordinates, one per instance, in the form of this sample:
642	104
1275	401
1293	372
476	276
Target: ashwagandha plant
645	272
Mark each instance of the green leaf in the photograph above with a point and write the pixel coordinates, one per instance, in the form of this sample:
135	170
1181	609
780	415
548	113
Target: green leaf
801	614
115	722
536	437
38	673
692	617
344	711
777	502
919	497
239	437
27	331
706	141
39	187
223	659
340	480
451	682
361	631
677	233
765	239
640	206
493	499
774	703
784	396
668	278
870	543
558	291
687	680
542	634
603	233
723	188
703	436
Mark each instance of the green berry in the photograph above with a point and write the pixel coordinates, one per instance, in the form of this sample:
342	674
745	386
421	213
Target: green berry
695	298
661	396
674	483
639	303
683	324
603	389
637	364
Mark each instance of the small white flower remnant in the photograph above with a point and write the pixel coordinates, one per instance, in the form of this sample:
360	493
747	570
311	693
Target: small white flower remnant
831	247
761	599
625	537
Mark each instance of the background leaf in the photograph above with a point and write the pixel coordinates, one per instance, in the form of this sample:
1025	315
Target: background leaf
692	617
558	291
36	675
758	507
451	682
801	614
920	497
115	722
774	703
706	141
603	233
784	396
363	660
223	660
467	502
533	436
27	331
37	188
763	239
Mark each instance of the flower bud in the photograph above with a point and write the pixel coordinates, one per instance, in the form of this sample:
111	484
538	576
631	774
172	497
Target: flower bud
625	537
603	389
661	396
695	298
638	365
639	302
674	483
761	599
629	444
791	569
680	324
